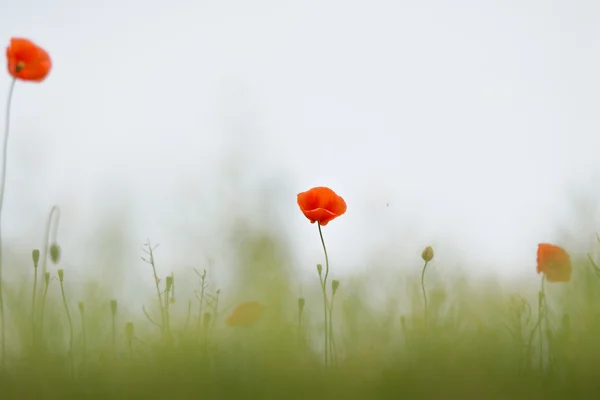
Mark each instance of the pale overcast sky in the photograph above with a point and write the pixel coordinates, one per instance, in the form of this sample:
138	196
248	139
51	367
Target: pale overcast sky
461	124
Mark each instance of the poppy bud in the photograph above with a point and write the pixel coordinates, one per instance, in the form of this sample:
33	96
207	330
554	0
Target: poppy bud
35	255
319	268
81	306
427	254
113	307
55	253
206	319
129	330
61	274
169	282
47	278
335	284
301	303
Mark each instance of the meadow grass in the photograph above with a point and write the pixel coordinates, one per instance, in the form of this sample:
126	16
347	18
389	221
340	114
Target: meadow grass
479	340
438	339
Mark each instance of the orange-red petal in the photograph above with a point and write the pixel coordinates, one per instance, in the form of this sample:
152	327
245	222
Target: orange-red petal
321	204
554	262
27	61
245	314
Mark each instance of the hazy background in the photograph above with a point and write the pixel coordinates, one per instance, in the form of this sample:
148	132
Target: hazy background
469	125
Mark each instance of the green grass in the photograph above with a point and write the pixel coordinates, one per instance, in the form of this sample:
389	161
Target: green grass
470	347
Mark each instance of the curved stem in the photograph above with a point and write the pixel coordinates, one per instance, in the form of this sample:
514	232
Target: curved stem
50	235
324	288
2	186
424	292
64	298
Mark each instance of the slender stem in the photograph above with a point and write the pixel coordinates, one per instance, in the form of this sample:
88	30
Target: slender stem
167	319
332	350
83	332
541	311
324	288
35	271
200	314
64	298
43	305
424	292
2	186
187	319
114	334
156	281
50	235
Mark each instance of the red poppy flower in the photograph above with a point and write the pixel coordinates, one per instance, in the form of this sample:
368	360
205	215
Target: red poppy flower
245	314
27	61
554	262
321	204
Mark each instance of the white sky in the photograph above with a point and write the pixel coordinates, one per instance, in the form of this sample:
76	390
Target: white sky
470	118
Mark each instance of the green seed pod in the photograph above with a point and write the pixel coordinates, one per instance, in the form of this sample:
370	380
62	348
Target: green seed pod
427	254
335	284
55	253
113	307
301	303
35	255
129	330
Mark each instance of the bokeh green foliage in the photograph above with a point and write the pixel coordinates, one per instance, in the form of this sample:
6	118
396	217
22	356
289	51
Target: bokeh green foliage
470	348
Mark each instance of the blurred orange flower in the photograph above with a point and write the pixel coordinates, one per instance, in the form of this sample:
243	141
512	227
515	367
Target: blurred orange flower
27	61
321	204
554	262
245	314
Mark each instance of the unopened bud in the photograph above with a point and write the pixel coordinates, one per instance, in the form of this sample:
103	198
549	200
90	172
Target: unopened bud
319	268
35	255
129	330
81	306
55	253
169	282
301	303
335	284
427	254
113	307
206	319
61	275
47	278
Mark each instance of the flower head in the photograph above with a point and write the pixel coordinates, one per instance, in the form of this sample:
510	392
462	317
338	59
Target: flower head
321	204
554	262
27	61
245	314
427	254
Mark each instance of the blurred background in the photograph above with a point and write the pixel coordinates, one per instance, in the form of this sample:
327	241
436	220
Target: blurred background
469	126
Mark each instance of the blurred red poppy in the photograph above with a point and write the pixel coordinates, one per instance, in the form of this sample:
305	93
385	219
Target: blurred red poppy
245	314
27	61
321	204
554	262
